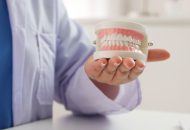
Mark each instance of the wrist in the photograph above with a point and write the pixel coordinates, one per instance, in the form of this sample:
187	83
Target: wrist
111	91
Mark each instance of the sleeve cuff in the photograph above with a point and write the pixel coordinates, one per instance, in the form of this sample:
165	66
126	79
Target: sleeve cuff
129	96
84	97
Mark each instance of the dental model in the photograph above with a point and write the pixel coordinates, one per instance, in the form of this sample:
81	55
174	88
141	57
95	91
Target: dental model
125	39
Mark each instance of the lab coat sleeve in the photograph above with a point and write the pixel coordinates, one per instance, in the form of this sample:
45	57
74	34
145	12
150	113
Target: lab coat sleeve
73	88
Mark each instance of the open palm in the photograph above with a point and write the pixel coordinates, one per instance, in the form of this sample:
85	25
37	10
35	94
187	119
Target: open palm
117	70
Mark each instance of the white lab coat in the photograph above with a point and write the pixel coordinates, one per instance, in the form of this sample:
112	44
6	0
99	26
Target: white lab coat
48	55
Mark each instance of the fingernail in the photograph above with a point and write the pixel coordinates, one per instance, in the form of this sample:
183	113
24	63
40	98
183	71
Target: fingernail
140	68
119	60
103	65
116	64
130	64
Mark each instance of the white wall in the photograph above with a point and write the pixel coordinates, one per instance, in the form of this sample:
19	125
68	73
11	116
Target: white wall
157	6
96	8
165	85
117	8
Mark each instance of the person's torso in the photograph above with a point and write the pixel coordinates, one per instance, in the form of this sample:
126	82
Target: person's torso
33	24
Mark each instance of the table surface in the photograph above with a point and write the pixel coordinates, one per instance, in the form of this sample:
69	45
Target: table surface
135	120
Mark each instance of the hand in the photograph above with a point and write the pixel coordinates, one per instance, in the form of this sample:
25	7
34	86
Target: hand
116	70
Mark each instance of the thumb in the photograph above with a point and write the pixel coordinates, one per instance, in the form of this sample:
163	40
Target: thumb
157	55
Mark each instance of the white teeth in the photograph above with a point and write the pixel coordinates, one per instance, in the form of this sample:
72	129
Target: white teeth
107	42
111	43
133	41
125	38
104	44
112	37
116	36
121	44
138	42
119	40
130	39
126	43
108	37
120	36
103	40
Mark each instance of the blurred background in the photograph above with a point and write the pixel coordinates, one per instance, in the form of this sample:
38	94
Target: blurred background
165	85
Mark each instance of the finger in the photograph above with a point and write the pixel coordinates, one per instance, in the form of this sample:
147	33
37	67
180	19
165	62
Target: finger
127	64
137	70
108	73
100	65
95	67
123	71
157	55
